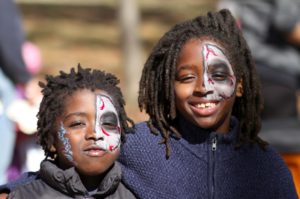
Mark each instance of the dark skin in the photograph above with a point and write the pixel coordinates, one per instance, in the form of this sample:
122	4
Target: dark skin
192	98
78	122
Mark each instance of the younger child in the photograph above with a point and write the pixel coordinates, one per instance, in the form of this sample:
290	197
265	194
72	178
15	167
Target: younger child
81	123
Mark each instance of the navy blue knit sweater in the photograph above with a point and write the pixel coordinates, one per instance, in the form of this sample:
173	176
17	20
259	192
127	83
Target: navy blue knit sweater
202	165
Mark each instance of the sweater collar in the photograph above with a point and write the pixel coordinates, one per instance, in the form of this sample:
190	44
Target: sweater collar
196	135
69	182
199	141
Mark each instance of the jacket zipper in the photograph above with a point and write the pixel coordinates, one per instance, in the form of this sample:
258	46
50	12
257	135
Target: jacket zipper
213	161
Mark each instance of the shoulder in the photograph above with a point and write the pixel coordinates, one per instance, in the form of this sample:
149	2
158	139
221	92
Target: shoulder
282	180
123	192
263	162
269	166
140	144
24	179
275	161
140	134
36	189
141	127
268	156
29	190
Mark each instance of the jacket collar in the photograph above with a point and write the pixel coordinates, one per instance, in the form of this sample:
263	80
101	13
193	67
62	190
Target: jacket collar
68	181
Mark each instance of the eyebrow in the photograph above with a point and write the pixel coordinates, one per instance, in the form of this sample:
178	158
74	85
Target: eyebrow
219	62
186	67
109	112
73	114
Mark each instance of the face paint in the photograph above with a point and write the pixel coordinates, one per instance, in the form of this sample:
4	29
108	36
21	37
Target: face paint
107	125
218	75
66	143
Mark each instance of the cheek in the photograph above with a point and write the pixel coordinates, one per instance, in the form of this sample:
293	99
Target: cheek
64	145
183	91
71	146
113	141
224	90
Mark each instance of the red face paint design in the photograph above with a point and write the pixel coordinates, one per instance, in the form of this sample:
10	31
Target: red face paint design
107	125
218	74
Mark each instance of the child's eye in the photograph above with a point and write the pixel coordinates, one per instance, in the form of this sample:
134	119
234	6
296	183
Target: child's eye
186	78
219	76
219	71
109	121
76	124
109	126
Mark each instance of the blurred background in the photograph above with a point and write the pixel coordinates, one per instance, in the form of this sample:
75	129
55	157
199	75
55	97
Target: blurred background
96	34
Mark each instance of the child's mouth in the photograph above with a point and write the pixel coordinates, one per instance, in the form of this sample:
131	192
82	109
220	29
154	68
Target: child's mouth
205	105
204	108
95	151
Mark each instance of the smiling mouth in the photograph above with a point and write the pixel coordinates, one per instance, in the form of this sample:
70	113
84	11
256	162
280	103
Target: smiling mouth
204	109
205	105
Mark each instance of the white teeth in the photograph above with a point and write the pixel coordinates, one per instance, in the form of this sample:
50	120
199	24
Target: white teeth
206	105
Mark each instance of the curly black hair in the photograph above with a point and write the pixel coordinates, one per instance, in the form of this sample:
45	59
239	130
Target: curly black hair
156	94
57	88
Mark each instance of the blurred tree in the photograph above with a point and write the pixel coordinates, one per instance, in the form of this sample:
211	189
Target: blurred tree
129	17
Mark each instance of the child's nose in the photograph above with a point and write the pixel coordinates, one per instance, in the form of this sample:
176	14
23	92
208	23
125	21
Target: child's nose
95	134
200	86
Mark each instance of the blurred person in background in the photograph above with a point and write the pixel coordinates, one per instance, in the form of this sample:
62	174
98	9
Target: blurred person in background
272	30
13	74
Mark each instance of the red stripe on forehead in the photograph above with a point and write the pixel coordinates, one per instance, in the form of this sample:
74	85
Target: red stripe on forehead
102	104
209	51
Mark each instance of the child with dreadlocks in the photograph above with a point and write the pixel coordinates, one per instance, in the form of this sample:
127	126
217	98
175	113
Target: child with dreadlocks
201	91
81	123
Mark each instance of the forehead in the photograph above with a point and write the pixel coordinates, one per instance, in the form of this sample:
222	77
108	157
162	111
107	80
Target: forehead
104	102
194	50
87	96
204	41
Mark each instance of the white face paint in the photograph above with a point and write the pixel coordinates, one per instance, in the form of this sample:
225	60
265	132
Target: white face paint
107	125
218	74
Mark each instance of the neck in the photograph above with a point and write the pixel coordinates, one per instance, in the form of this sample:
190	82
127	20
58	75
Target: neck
194	133
91	182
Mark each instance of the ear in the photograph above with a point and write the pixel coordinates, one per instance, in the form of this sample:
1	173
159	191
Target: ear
239	88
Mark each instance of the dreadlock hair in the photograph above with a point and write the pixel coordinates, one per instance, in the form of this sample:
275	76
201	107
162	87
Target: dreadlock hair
156	93
57	88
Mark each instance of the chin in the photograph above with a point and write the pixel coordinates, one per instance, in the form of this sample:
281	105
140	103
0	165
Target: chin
205	123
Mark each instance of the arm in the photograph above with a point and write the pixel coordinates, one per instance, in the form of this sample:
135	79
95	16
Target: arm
24	179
